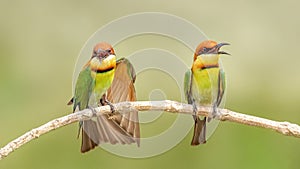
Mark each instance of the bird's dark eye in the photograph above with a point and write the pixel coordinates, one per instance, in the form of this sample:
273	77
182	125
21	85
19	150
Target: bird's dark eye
108	50
204	49
94	54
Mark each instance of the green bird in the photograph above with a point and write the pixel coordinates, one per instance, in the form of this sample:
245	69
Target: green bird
204	84
102	81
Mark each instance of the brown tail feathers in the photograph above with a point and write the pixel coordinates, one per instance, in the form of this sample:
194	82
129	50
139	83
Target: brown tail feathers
199	136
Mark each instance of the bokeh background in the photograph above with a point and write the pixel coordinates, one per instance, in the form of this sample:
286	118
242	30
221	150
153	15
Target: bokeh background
40	42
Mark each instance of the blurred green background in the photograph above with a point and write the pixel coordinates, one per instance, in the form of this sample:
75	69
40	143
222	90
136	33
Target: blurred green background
40	42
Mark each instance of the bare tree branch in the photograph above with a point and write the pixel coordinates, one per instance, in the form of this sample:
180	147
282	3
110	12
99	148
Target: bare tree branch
284	128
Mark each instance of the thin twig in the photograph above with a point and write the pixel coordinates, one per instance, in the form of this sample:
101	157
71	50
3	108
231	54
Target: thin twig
284	128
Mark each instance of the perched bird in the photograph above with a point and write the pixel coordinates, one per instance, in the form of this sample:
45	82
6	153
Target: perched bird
204	84
103	80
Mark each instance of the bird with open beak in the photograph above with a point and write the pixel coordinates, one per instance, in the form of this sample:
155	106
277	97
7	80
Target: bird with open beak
204	84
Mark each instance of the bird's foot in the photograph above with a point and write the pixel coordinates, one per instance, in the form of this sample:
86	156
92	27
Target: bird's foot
212	114
93	111
112	107
195	110
94	115
215	112
104	101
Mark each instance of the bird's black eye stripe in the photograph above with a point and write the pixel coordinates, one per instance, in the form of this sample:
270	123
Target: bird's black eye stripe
94	54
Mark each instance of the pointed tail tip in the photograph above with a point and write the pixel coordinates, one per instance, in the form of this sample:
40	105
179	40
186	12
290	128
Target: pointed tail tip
199	136
196	143
85	149
87	143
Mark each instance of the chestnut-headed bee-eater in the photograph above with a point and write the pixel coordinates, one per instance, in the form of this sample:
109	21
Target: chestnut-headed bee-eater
204	84
103	80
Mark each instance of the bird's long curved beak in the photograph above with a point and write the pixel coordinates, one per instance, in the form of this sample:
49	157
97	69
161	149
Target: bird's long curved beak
219	46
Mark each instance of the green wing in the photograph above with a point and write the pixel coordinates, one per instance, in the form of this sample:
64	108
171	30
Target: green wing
83	89
188	85
221	86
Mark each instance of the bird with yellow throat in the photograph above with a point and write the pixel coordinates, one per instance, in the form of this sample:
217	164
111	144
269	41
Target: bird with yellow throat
105	80
204	84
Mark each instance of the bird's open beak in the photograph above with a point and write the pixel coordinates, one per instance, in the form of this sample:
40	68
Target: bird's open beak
218	46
